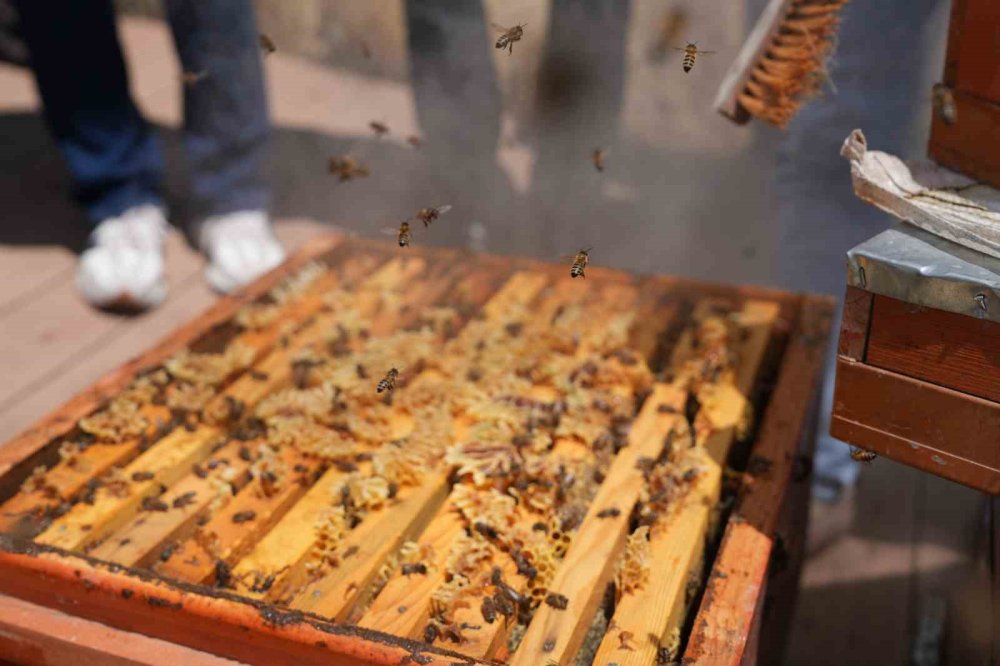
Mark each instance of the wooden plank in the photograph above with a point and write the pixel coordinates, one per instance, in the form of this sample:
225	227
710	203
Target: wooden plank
654	614
44	334
722	625
192	497
129	338
20	451
290	540
382	533
221	624
283	551
334	595
935	429
173	456
65	480
403	606
944	348
230	542
169	461
227	537
32	634
855	322
970	144
412	614
589	564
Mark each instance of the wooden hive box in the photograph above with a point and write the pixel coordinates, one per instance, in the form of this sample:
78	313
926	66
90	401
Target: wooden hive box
965	128
551	478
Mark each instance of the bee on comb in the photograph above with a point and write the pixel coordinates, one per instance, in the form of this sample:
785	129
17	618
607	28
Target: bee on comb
387	383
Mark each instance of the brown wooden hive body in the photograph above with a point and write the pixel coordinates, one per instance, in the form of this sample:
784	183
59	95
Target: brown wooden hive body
140	548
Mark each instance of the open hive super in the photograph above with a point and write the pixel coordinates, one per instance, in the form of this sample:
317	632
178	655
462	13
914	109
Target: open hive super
541	485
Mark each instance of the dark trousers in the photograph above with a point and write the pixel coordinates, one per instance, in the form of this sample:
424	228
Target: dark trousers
112	154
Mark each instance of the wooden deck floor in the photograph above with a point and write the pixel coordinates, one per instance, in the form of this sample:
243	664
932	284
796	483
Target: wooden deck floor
901	539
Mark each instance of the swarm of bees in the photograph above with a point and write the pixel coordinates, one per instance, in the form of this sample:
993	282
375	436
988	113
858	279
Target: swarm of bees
691	51
347	168
509	36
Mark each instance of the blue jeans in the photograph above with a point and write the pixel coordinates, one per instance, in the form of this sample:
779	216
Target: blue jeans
111	152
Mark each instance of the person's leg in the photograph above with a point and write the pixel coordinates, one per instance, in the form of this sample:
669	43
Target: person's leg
459	107
226	128
111	153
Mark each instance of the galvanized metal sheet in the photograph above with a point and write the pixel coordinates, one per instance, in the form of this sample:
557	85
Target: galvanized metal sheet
916	266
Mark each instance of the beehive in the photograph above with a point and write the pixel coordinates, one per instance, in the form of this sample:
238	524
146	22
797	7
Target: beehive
547	483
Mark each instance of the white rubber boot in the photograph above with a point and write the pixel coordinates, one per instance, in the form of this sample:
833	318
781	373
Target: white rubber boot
240	247
123	266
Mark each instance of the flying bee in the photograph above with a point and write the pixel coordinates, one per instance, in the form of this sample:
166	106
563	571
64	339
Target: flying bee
414	140
388	382
380	129
509	36
861	455
580	261
347	168
266	44
428	215
598	158
691	51
365	50
403	233
191	78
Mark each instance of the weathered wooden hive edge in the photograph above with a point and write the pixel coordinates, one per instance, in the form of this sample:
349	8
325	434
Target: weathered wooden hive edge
103	591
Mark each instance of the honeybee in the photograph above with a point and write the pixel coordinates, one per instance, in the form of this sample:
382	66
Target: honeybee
414	140
509	36
861	455
266	44
598	158
380	129
428	215
365	50
404	234
191	78
691	51
346	168
944	103
388	382
580	261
